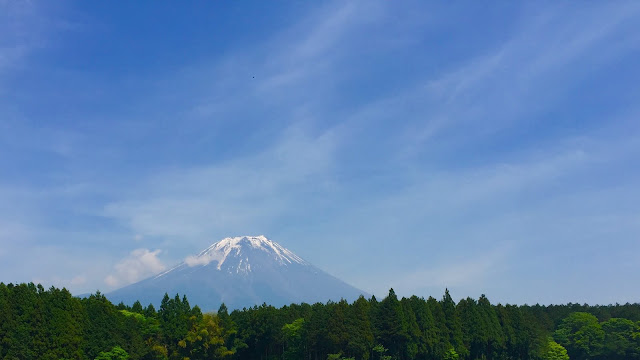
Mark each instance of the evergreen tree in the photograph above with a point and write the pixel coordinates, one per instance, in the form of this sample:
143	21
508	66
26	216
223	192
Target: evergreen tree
453	323
414	335
150	311
360	339
337	331
391	325
174	315
474	332
51	324
317	332
508	330
101	325
229	329
493	336
442	343
137	307
427	327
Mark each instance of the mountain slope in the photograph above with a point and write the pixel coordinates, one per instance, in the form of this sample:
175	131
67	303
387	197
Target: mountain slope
241	272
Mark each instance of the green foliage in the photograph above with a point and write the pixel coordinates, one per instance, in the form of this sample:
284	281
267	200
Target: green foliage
137	307
117	353
359	328
621	339
581	334
451	354
205	339
292	335
555	351
51	324
338	356
381	352
453	323
391	326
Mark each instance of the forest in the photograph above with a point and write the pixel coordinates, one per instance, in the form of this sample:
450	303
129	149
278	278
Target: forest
52	324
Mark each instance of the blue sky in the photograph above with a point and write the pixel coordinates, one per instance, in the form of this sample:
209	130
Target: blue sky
416	145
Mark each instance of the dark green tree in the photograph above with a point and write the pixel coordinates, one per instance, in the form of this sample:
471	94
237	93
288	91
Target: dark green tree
453	324
621	339
442	343
337	331
137	307
426	346
494	336
581	334
101	325
391	327
360	339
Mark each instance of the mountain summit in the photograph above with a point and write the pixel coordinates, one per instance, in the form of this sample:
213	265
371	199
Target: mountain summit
241	272
239	249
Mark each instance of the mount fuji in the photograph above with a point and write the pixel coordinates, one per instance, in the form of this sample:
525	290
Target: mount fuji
241	272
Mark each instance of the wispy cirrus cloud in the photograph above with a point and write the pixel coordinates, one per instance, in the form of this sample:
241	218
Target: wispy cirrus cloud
415	181
356	135
191	204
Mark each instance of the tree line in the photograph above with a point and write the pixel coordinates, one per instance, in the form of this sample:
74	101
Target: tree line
38	323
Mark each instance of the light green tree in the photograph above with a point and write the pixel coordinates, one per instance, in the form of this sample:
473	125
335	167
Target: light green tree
381	350
451	354
338	356
292	335
555	351
204	340
117	353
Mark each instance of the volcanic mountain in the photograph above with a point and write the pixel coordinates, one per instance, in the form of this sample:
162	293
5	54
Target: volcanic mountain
241	272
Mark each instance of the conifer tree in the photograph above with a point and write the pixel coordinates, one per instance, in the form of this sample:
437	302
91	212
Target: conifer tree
414	335
360	340
494	336
453	324
150	311
427	327
442	343
337	332
137	307
391	325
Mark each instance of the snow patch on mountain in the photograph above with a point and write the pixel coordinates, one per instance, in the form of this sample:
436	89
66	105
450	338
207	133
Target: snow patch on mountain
220	251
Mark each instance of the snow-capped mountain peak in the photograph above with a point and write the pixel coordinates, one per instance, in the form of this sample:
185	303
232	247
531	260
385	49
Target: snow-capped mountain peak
240	271
241	247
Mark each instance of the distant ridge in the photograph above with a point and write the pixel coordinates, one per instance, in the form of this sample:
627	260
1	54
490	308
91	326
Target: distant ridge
241	272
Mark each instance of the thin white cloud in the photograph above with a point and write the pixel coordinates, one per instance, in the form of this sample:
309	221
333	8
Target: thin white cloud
464	104
520	77
195	260
198	202
75	282
311	161
139	264
78	281
455	273
22	28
